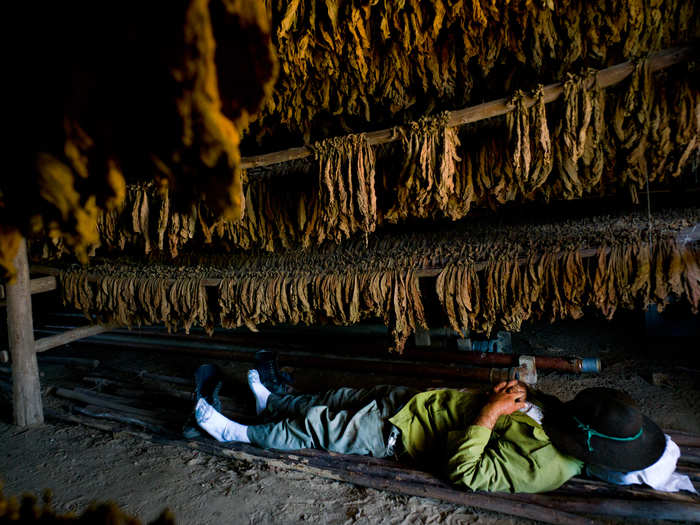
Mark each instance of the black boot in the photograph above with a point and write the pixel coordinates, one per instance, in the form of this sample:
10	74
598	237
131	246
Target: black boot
207	383
271	376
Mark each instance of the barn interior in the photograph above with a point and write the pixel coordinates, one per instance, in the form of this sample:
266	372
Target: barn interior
428	193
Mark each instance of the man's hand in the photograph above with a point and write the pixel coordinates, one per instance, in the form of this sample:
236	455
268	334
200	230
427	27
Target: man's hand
507	397
510	387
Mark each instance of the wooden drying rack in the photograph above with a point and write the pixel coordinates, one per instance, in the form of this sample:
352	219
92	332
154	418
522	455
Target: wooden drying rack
18	316
27	406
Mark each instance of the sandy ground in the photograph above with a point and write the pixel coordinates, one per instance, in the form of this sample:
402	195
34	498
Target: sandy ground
81	465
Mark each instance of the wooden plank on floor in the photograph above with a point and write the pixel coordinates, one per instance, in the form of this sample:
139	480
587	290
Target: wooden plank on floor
319	468
579	496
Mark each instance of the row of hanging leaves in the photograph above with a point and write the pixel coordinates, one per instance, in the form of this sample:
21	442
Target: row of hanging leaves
342	298
604	141
250	300
337	204
373	61
504	293
135	300
340	60
495	275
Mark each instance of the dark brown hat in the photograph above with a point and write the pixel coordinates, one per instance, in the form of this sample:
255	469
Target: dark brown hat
604	427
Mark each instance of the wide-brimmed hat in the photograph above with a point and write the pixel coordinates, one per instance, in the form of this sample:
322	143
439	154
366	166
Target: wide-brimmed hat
604	427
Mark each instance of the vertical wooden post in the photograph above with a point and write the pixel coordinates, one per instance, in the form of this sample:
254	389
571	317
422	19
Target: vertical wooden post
26	391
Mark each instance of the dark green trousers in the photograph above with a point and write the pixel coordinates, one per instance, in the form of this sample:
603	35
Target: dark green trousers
347	420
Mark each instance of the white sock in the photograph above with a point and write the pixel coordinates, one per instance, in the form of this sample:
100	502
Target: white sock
260	391
219	427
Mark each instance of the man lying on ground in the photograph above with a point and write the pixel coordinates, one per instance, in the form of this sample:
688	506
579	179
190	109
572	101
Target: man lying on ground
497	442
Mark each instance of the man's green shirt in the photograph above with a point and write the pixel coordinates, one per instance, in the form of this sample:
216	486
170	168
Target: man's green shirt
517	456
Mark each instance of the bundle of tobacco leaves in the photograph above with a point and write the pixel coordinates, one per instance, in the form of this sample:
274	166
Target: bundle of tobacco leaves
275	214
10	239
346	202
530	142
108	96
631	126
581	133
486	174
148	220
425	181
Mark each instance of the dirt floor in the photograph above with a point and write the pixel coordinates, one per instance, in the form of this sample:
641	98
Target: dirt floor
81	465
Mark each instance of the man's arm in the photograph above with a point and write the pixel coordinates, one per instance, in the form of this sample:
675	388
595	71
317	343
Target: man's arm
504	466
506	399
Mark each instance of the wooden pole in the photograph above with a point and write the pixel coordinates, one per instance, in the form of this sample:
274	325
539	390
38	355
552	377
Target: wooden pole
420	272
101	400
26	390
605	77
47	343
43	284
38	285
98	278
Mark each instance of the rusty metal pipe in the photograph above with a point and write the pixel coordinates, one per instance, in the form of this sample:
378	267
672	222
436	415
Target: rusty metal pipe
296	359
321	344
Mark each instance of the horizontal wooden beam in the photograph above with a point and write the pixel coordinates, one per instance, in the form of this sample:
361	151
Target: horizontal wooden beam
434	272
47	343
421	272
93	278
605	78
37	285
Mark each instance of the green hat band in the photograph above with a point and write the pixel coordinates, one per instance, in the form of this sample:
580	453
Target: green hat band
590	432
